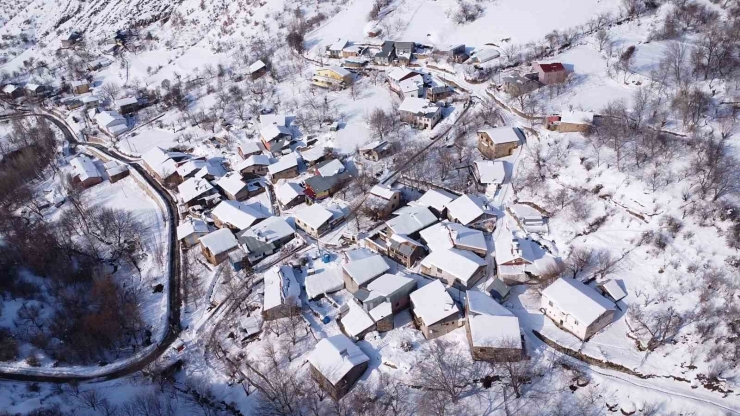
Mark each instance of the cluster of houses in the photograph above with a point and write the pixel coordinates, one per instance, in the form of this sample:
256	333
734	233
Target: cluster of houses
86	173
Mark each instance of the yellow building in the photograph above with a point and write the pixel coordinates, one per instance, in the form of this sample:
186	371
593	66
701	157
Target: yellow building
332	77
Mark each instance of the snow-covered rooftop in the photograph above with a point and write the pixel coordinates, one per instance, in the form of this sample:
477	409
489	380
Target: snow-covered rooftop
491	324
420	106
193	188
231	183
383	191
411	84
491	172
578	300
396	74
338	45
108	118
411	219
281	288
287	192
219	241
467	209
256	67
313	154
191	166
254	160
447	234
84	168
272	131
355	320
338	70
364	270
459	263
327	281
501	135
335	356
577	117
249	148
314	216
331	168
388	284
162	161
432	303
191	226
286	162
238	214
436	198
486	54
89	99
273	120
126	101
269	230
614	289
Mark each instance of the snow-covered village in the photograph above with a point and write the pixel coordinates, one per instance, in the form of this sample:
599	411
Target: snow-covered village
370	207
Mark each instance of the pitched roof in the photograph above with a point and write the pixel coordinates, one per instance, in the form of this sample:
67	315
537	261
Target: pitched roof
281	287
374	145
336	356
313	154
256	67
314	216
553	67
459	263
287	192
365	270
467	209
84	168
448	234
250	147
388	284
286	162
577	117
254	160
331	168
162	161
436	198
491	325
613	289
327	281
268	231
231	183
273	120
411	219
190	167
432	303
355	320
578	300
193	188
383	191
418	106
272	131
191	226
490	172
126	101
501	135
238	214
219	241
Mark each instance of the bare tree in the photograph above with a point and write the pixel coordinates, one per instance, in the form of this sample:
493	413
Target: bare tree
655	328
715	169
449	370
91	399
515	374
602	38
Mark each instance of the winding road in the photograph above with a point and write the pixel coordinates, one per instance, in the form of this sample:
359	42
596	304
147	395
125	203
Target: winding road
123	368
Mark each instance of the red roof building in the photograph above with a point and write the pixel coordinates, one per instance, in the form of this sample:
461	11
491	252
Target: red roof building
552	73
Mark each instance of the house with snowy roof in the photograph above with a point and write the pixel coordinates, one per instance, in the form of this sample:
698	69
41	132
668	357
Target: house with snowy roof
331	77
191	230
249	149
436	200
445	235
285	168
576	308
194	190
354	321
492	330
383	200
257	69
375	150
12	91
434	311
237	215
359	270
315	155
111	122
419	112
472	211
290	194
409	220
127	105
324	282
316	220
115	171
518	257
457	268
189	168
253	166
391	289
498	142
80	86
336	364
282	294
528	218
85	172
570	121
265	238
217	245
233	187
488	173
163	164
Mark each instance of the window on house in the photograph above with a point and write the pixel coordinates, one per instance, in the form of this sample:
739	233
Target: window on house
439	270
550	303
576	323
